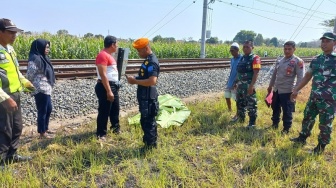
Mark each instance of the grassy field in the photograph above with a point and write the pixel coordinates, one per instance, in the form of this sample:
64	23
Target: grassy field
207	151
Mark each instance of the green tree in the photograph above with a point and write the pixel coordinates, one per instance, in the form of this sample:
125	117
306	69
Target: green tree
244	35
88	35
212	40
274	41
328	23
157	38
62	32
259	40
99	36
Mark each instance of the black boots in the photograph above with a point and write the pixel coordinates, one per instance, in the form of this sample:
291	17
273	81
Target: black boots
299	140
319	149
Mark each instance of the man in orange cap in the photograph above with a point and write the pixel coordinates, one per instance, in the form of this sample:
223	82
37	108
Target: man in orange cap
147	94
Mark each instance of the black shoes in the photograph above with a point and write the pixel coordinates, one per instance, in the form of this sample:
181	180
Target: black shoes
275	126
299	140
146	148
285	131
319	149
250	126
18	158
115	130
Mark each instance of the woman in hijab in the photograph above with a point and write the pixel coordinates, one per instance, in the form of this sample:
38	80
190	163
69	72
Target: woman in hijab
41	73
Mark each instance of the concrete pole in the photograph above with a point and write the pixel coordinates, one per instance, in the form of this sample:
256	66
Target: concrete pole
335	25
205	9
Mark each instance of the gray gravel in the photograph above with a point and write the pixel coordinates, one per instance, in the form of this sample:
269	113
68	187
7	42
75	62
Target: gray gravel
76	98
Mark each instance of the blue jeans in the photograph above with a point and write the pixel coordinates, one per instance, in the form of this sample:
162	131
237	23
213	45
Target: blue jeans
44	108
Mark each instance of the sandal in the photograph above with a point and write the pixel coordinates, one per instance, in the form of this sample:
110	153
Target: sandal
45	136
50	132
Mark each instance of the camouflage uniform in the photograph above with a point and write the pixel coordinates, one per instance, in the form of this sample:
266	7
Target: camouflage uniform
244	75
322	98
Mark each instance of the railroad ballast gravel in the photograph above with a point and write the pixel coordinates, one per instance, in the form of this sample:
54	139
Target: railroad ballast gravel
76	98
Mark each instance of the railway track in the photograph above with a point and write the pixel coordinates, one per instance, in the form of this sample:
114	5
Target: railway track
80	68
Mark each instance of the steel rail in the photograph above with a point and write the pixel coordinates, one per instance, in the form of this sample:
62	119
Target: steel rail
166	65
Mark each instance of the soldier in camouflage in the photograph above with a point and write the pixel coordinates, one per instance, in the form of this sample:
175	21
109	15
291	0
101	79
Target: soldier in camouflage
247	74
322	100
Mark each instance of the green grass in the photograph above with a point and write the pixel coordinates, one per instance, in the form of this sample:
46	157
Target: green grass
207	151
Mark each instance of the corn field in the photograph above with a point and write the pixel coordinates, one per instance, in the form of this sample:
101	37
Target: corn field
71	47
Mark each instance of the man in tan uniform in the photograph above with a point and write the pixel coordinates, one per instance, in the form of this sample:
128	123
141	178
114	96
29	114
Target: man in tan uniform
287	68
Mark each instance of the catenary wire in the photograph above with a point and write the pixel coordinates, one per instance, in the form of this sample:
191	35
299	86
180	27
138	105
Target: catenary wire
303	19
172	18
308	19
163	17
238	7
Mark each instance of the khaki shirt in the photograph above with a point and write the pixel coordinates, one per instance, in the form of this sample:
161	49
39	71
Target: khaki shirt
285	72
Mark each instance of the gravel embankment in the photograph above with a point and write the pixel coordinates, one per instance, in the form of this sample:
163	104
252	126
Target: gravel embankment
76	98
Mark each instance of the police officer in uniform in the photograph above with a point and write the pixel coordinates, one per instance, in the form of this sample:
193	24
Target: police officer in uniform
322	99
147	94
283	79
11	82
247	74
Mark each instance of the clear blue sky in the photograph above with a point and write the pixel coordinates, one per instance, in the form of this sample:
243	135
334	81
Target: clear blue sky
138	18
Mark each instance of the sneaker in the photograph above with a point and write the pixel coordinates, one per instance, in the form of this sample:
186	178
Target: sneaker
299	140
319	149
18	158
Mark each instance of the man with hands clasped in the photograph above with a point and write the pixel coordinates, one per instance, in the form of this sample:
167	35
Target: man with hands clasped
286	69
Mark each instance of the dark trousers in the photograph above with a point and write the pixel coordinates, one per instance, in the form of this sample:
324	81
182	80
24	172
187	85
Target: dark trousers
107	109
10	128
44	108
282	101
149	109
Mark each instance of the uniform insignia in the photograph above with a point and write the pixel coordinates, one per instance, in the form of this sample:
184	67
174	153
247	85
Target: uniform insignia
146	62
292	62
141	70
142	74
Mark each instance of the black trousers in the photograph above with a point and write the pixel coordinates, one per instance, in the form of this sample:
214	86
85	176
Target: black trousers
282	101
107	109
148	110
44	108
10	128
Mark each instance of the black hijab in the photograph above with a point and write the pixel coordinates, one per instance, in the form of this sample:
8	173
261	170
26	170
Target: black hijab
37	54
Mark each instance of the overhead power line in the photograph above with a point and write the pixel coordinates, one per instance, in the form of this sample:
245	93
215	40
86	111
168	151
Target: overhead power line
303	19
332	1
305	7
163	18
173	18
308	19
246	9
286	8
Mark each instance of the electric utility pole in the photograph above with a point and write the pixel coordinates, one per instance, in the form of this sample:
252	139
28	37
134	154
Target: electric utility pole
335	25
205	10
